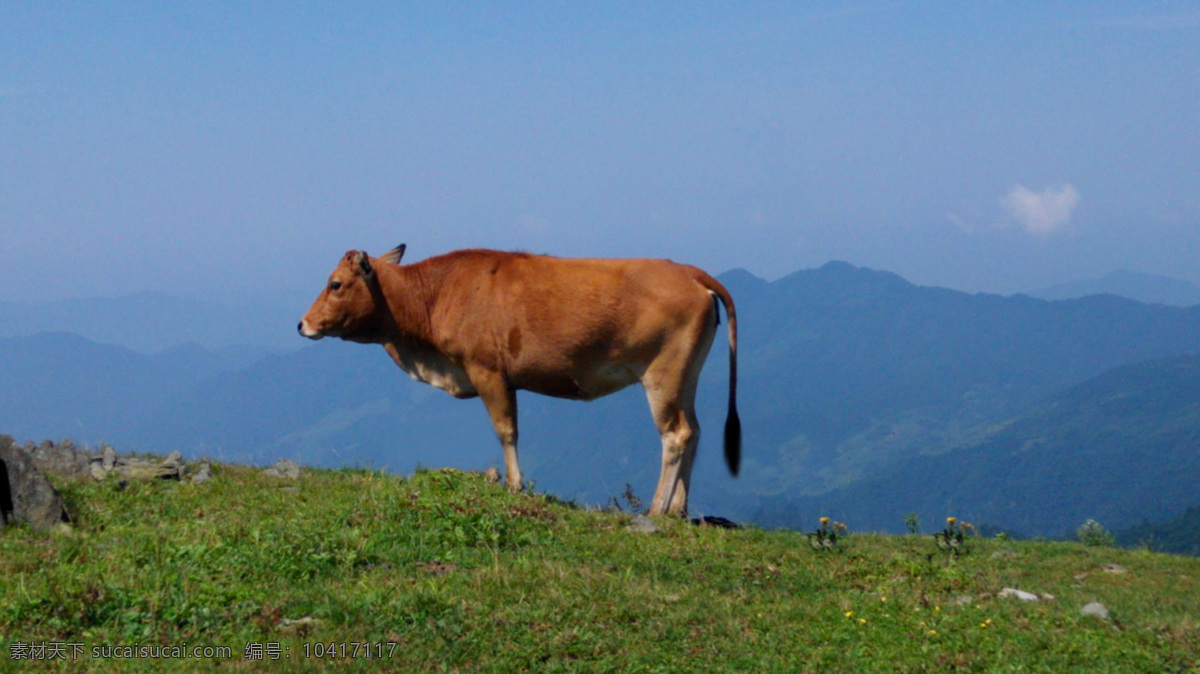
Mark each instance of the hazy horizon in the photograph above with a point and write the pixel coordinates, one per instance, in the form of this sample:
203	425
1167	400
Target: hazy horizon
273	297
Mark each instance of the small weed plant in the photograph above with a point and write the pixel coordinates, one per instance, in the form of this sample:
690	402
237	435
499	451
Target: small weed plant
1092	533
912	523
954	538
632	501
827	535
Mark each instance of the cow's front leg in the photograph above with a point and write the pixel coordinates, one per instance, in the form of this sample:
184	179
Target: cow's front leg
501	404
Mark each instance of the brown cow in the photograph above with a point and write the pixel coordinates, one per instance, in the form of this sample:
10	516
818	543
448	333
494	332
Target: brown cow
486	323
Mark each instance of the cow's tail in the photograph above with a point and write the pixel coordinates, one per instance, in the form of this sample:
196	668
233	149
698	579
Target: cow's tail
733	424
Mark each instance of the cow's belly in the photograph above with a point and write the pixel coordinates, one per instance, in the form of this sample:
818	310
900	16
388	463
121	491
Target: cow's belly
453	381
437	371
579	385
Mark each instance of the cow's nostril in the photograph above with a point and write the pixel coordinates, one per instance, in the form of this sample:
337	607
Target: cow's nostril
300	327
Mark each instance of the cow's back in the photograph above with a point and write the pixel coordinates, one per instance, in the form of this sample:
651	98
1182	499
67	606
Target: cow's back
570	327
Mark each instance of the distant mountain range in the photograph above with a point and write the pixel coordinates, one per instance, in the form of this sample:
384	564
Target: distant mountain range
1122	448
1180	535
855	387
151	322
155	321
1147	288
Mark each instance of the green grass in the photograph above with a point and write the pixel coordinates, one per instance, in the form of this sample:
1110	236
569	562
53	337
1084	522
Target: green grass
444	572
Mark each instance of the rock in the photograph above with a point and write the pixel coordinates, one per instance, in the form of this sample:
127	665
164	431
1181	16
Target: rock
1004	554
714	521
25	493
283	468
202	474
1096	609
300	626
964	600
141	469
1114	568
62	460
69	463
174	461
1019	594
643	525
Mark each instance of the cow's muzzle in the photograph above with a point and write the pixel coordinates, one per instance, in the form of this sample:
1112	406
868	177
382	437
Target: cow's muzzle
311	334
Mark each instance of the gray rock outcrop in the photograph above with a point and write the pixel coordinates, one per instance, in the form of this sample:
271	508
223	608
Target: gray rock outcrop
68	462
284	468
202	474
643	525
25	493
63	460
1095	609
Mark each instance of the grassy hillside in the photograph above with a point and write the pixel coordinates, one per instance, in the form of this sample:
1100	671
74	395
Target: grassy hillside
443	571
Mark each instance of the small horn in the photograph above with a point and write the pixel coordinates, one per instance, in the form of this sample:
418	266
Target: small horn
364	265
393	256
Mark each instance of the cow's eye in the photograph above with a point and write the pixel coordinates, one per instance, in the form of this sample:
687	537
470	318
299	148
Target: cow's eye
334	285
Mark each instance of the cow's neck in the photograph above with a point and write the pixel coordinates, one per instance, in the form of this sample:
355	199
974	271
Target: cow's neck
409	297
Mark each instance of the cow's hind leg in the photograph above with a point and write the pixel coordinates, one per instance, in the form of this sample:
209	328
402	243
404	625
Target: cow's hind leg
670	384
672	404
501	404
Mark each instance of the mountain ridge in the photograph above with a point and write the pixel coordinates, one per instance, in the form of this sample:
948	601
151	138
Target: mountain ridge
1118	448
1148	288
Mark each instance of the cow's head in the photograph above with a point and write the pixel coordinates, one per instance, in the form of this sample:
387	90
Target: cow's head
348	306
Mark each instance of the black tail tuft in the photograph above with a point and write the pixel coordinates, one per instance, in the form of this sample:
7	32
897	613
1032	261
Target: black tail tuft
733	441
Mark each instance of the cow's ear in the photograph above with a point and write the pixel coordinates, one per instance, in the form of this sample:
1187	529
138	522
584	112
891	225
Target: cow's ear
364	265
393	256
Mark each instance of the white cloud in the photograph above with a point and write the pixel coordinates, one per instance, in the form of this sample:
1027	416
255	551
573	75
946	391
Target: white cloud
1041	213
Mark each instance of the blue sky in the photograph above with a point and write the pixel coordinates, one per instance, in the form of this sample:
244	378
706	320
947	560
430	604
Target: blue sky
230	150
